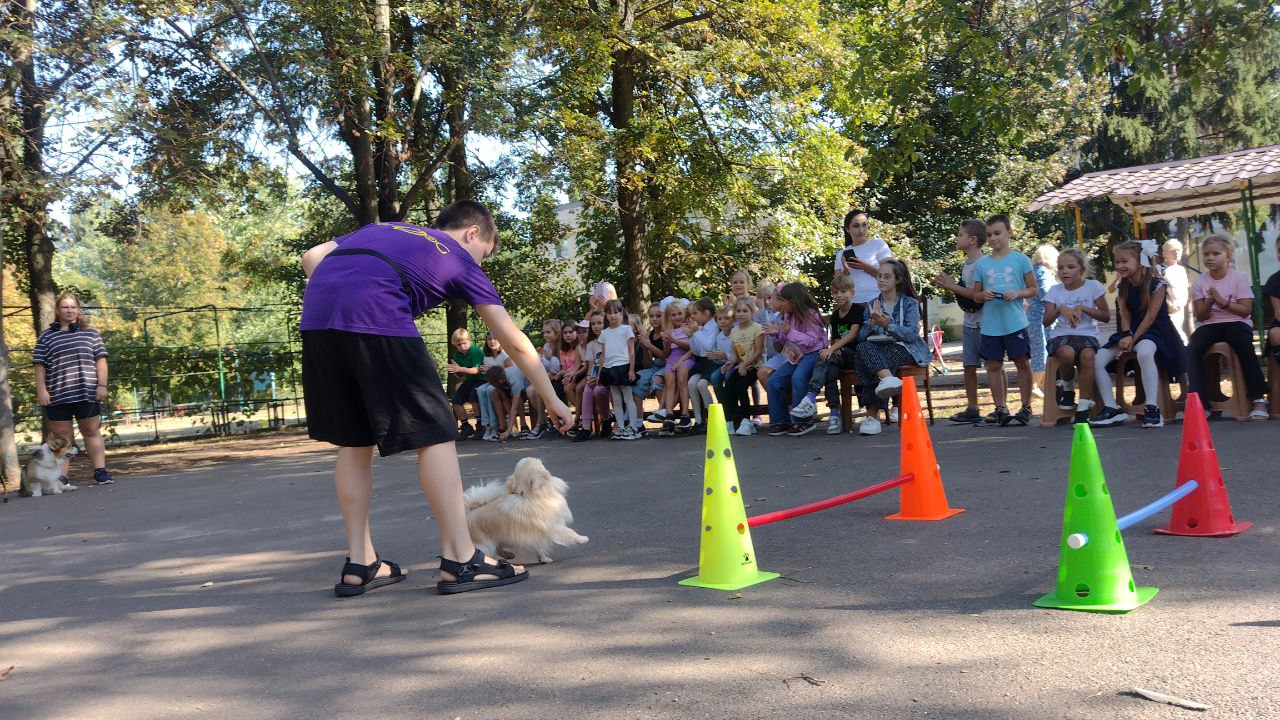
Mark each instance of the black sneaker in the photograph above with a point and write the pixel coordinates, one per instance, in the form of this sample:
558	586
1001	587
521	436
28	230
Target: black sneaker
779	430
102	477
1024	415
684	424
802	428
968	417
580	434
465	431
998	418
1110	416
1066	399
1082	411
1152	418
668	428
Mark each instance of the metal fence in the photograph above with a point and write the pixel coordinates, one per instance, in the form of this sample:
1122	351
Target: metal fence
180	372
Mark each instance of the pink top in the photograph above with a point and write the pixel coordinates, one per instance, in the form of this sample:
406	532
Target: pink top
677	352
809	336
1232	287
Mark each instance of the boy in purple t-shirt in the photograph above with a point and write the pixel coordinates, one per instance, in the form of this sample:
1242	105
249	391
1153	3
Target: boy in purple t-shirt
369	380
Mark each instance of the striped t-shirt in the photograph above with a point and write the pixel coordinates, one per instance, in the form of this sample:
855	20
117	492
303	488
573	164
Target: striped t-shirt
70	363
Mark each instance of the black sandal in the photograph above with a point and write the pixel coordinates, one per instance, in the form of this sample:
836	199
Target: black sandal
465	574
367	573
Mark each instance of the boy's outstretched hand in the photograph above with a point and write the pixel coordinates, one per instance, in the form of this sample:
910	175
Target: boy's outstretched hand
561	414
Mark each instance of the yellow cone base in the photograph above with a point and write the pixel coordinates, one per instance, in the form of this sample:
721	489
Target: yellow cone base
938	516
1053	602
735	584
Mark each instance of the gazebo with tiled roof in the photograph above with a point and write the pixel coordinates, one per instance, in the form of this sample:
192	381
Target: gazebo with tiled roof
1183	188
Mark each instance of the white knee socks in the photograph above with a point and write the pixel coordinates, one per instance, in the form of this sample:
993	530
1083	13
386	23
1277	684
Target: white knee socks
1146	352
624	405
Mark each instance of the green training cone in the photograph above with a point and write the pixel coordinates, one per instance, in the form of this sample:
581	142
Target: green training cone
1093	568
726	559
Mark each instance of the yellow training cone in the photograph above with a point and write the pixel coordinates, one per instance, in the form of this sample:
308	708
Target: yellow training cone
726	559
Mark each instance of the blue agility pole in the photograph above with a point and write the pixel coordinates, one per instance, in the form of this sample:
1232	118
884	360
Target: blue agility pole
1079	540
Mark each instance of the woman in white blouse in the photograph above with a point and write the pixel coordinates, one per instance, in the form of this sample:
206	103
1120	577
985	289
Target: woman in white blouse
861	256
1179	286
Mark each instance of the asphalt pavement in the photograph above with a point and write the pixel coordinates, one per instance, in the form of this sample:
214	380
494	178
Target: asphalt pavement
208	592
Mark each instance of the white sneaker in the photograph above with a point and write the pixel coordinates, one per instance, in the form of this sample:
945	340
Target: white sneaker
869	426
745	428
834	426
893	414
805	409
888	387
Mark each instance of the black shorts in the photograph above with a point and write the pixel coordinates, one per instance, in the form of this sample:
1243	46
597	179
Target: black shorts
616	375
995	347
364	390
82	410
466	390
704	367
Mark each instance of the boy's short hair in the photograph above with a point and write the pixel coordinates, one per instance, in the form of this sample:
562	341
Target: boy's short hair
705	305
1000	219
464	214
459	334
841	282
975	228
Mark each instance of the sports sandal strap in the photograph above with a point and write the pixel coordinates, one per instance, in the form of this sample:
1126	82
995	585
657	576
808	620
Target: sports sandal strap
467	572
369	572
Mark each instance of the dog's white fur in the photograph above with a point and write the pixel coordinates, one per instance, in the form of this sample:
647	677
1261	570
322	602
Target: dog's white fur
43	473
527	512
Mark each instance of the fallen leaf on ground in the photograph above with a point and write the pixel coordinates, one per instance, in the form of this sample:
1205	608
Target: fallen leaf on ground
1170	699
208	584
761	499
4	674
736	596
809	679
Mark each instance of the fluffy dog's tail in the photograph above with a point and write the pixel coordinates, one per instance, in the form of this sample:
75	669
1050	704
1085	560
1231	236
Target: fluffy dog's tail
478	495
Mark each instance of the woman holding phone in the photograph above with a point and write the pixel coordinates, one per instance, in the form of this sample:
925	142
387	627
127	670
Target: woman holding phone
861	257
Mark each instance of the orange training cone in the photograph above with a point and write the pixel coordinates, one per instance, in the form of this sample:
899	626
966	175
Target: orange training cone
1206	512
923	498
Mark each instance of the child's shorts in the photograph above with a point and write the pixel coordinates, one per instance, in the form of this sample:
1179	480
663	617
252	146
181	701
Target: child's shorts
466	390
971	343
685	361
644	381
615	376
1015	345
518	385
1075	342
364	390
776	362
704	367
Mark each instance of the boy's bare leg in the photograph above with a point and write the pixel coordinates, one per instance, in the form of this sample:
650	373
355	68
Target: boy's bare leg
996	382
971	386
441	480
353	479
1023	364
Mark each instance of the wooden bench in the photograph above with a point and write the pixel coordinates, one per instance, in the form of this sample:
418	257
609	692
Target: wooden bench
1052	414
1220	362
849	378
1273	373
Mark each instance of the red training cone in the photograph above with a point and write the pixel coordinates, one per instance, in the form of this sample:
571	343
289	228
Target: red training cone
1206	512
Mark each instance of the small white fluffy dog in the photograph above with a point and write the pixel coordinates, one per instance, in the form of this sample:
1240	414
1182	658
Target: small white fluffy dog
527	512
43	473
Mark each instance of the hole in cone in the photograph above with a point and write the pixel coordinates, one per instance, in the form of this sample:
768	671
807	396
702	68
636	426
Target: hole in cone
727	453
711	454
708	491
1080	491
742	529
1193	523
708	528
1119	540
1104	490
733	489
1082	590
911	447
1131	588
1192	446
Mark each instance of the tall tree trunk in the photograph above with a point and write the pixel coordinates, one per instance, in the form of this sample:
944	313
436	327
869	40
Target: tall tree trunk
37	247
9	469
461	180
630	185
386	160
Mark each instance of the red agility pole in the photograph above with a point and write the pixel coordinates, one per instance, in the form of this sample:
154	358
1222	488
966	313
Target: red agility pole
814	507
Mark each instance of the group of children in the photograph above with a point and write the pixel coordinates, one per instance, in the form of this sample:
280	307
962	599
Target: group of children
993	290
690	354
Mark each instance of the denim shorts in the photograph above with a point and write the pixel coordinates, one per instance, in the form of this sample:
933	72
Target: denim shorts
971	341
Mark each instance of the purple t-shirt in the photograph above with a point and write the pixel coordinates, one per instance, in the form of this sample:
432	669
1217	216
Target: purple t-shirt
363	294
